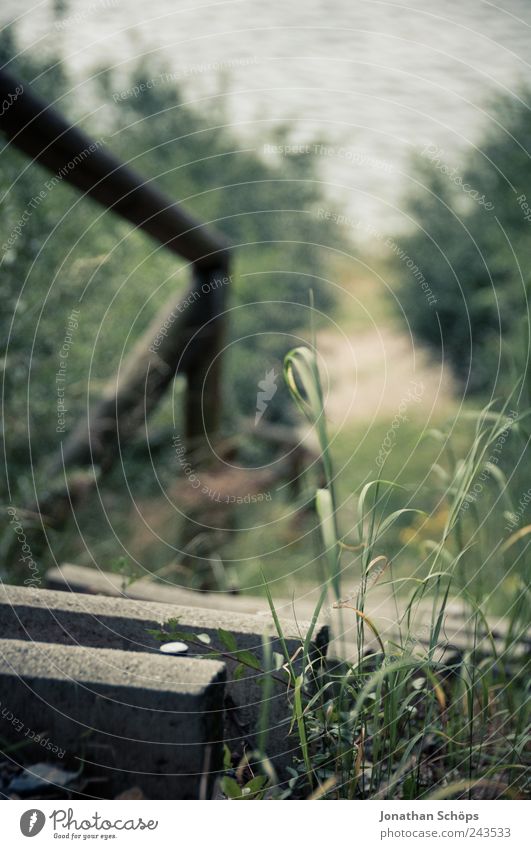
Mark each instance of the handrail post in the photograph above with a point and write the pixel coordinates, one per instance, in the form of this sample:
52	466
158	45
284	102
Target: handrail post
204	372
39	130
194	343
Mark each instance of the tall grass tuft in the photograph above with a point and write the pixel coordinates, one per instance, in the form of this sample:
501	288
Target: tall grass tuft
410	714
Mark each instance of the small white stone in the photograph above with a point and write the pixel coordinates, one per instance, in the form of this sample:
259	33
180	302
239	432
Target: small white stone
174	648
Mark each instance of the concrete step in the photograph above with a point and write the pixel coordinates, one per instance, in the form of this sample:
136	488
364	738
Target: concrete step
129	718
100	622
383	610
84	579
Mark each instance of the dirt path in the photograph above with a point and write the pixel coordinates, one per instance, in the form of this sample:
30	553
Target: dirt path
368	375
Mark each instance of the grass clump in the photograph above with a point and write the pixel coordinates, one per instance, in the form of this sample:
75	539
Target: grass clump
410	714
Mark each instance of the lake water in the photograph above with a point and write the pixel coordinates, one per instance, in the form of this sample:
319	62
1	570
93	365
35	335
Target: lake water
374	80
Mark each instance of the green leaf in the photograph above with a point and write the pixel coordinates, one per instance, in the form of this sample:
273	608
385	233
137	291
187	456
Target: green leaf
158	635
389	520
258	783
230	787
169	634
248	658
278	626
301	371
228	639
184	636
227	757
299	716
239	672
363	497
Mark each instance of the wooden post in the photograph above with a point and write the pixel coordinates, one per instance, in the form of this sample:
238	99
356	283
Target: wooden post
193	331
186	337
203	373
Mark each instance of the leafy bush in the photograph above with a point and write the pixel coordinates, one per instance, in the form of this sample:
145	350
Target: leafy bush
472	244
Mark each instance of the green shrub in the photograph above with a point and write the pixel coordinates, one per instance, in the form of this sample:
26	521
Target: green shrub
471	241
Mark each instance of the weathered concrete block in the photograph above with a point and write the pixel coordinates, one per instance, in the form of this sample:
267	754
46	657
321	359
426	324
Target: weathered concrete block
137	719
83	579
101	622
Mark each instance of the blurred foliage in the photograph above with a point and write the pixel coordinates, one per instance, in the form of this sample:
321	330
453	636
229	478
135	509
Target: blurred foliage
72	254
472	243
